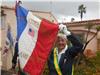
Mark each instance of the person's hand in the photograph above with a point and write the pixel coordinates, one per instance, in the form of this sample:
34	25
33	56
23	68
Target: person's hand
61	27
64	29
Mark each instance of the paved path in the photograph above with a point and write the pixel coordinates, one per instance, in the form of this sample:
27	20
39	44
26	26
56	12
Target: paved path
7	73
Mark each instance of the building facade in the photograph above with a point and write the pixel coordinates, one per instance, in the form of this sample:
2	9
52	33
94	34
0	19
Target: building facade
79	28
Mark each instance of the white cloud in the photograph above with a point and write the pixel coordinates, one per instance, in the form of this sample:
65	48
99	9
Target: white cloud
64	9
64	18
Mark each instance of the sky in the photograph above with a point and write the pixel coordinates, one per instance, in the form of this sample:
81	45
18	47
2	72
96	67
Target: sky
63	10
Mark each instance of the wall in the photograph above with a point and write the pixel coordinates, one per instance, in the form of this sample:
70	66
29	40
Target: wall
78	29
10	20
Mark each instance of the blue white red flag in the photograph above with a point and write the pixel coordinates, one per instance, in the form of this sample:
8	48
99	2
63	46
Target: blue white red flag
35	40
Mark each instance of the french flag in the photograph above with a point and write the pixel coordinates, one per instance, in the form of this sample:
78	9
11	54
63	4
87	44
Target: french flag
36	38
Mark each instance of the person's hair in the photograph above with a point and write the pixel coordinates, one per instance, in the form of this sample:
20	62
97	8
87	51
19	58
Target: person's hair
62	35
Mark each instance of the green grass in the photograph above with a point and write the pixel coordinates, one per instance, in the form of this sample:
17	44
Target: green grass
89	67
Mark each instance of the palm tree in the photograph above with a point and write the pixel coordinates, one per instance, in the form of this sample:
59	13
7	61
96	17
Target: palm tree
81	10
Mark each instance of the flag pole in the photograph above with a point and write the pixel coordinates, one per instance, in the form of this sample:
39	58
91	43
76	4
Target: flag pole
18	2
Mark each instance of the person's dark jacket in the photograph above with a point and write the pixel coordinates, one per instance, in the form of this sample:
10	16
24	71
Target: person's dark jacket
67	58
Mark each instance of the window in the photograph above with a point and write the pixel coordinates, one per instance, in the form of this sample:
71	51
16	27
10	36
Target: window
3	19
